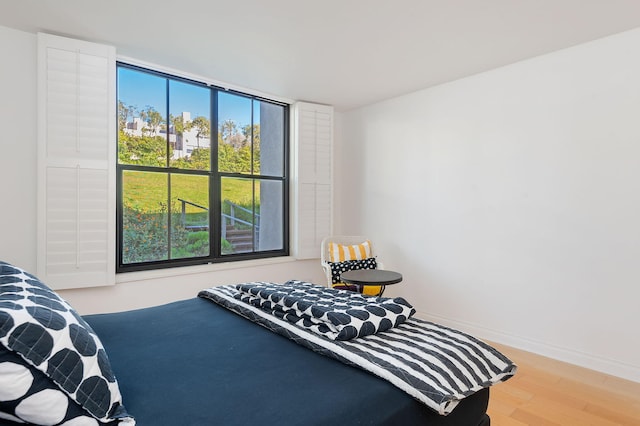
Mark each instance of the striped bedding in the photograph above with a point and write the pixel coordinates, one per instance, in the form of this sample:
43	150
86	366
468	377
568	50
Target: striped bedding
436	365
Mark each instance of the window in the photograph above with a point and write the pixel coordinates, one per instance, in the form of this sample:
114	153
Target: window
201	173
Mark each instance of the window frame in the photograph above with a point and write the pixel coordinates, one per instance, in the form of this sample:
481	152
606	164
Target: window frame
215	178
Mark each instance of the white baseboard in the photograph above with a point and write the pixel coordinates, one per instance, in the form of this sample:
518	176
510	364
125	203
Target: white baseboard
604	365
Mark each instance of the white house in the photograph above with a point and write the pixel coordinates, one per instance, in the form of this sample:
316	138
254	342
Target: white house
182	144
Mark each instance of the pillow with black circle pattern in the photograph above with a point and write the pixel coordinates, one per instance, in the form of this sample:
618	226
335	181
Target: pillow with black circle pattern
337	268
46	347
28	395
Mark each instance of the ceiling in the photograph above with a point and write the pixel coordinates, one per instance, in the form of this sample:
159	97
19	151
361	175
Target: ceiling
346	53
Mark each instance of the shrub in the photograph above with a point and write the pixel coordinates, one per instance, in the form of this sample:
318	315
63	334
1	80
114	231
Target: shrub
145	237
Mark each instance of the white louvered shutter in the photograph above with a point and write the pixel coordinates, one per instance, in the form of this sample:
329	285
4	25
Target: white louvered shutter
76	162
313	133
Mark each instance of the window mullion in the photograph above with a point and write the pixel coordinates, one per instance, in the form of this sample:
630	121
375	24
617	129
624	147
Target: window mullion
252	159
215	217
168	163
168	215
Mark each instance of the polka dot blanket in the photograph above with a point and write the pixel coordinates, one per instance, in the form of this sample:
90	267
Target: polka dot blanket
335	314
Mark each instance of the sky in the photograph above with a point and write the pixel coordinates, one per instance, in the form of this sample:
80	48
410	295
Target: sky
141	90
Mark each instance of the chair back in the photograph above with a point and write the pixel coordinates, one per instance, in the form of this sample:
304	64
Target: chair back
346	240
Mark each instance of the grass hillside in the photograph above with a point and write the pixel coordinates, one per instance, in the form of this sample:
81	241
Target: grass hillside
146	192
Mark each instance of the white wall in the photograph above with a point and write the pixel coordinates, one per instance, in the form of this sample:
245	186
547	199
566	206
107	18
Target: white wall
510	201
150	288
18	148
18	116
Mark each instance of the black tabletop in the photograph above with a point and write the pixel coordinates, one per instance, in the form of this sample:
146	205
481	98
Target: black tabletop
371	277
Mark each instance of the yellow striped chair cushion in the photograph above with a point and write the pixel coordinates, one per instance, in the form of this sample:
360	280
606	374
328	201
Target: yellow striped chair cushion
340	252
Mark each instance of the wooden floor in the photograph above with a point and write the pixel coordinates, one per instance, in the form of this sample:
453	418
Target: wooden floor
549	392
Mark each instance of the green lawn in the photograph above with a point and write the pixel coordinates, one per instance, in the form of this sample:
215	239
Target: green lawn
146	192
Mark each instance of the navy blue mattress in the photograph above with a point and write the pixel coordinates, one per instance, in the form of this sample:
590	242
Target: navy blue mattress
193	362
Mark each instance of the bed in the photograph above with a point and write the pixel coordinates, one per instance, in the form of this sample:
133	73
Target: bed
195	362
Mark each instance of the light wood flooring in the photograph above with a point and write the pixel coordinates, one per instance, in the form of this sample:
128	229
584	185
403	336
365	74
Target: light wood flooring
549	392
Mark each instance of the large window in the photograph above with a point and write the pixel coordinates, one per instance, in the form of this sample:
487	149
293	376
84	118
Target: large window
202	173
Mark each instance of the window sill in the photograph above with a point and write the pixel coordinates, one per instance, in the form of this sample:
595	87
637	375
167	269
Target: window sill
199	269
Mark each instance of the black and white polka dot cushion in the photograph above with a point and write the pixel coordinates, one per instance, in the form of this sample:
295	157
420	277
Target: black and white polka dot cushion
49	337
338	268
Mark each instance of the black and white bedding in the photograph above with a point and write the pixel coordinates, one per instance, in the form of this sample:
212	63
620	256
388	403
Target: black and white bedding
185	363
332	313
436	365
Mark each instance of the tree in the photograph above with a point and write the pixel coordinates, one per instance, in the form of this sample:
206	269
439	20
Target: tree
177	121
153	119
228	128
179	127
124	112
201	158
250	132
202	127
143	150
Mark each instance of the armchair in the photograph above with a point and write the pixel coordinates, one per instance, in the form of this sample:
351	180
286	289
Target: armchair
340	253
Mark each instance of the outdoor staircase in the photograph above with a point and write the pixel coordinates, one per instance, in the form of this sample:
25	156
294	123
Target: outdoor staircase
241	239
